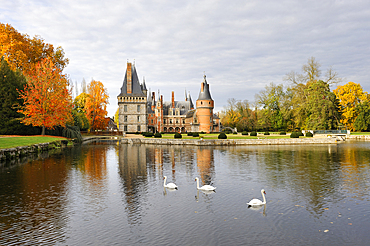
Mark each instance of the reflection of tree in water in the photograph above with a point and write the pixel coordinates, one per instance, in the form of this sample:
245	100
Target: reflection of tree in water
33	201
133	171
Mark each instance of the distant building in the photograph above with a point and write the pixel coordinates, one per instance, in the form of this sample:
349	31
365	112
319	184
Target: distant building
139	112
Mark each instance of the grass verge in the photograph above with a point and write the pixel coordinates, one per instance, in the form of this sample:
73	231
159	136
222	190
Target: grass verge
12	142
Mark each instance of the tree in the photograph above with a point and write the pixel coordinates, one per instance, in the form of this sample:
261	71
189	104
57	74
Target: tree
362	122
22	52
273	101
10	82
79	112
323	110
350	95
96	105
47	99
238	114
312	72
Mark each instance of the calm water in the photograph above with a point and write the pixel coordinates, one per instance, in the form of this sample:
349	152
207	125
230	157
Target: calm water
111	194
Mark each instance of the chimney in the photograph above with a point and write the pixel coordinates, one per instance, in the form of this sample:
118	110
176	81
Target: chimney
129	78
173	99
153	100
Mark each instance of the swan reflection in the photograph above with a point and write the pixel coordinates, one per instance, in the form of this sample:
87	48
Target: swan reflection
257	208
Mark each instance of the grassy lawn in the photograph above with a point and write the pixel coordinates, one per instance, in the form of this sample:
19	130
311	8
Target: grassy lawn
11	142
360	133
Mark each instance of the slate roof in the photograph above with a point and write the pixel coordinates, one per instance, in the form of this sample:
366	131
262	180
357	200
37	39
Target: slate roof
205	95
137	88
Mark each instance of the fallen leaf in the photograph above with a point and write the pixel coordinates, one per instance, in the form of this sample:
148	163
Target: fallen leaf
326	230
349	223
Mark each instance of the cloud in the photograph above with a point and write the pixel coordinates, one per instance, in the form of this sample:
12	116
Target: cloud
241	46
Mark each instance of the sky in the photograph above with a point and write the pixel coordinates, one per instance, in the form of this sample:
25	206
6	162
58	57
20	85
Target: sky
241	46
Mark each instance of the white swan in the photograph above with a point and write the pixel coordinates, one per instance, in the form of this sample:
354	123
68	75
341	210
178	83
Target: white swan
257	202
205	187
169	185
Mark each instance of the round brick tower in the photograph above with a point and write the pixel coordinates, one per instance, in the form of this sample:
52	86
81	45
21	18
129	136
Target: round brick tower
205	105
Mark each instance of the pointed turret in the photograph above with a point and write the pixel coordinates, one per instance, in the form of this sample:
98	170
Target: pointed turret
204	93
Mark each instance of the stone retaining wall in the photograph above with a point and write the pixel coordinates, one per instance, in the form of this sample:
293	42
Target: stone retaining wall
8	154
358	137
230	142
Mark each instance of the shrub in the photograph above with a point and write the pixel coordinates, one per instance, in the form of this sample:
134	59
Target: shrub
157	135
309	134
254	134
235	133
222	135
294	135
195	134
177	135
266	133
300	133
147	134
282	133
190	134
244	133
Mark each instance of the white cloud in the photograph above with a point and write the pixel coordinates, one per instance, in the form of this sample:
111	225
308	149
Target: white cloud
241	46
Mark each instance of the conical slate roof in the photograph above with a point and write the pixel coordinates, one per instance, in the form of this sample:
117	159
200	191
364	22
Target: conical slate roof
136	87
204	93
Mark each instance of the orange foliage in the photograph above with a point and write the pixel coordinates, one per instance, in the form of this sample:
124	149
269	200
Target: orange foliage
22	52
47	99
96	105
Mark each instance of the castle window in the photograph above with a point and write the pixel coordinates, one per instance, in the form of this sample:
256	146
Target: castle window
138	108
164	121
138	118
152	121
125	128
125	108
177	121
183	121
170	121
125	118
138	128
210	119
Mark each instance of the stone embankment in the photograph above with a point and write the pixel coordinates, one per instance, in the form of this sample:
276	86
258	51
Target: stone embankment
11	153
358	137
230	142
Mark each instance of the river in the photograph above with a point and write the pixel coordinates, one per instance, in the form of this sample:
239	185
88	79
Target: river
108	193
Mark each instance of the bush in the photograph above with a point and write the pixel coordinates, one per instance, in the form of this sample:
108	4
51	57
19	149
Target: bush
235	133
266	133
190	134
195	134
244	133
300	133
157	135
254	134
222	135
177	135
294	135
309	134
147	134
282	133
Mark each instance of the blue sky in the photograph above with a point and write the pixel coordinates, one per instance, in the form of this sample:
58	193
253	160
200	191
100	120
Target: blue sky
240	45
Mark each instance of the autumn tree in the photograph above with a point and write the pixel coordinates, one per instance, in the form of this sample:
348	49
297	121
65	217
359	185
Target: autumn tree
79	111
22	52
350	95
47	99
96	105
362	122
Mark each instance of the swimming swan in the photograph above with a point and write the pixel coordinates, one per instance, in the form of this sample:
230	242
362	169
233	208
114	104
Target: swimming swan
257	202
169	185
205	187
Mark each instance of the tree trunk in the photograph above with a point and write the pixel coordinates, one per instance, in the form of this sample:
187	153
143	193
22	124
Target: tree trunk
43	130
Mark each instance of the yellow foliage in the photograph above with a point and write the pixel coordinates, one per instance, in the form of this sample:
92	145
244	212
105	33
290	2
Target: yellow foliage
349	96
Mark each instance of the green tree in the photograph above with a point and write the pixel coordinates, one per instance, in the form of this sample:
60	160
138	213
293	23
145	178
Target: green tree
10	82
362	122
322	107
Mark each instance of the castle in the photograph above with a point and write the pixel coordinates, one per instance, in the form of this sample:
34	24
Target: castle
140	111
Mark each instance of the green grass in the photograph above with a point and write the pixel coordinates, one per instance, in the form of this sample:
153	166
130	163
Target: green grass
360	133
11	142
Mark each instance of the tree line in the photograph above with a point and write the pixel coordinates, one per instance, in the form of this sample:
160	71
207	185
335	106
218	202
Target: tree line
37	95
304	101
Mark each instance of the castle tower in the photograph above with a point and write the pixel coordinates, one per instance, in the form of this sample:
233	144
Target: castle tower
132	103
204	108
